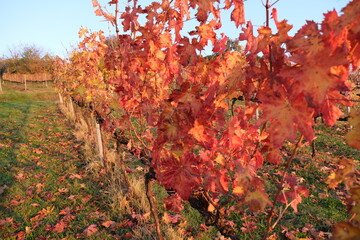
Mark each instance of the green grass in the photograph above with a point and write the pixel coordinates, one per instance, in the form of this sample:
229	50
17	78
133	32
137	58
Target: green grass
42	172
43	169
331	140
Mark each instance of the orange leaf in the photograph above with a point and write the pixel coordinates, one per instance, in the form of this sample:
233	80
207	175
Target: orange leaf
346	168
257	201
198	131
82	32
237	14
107	224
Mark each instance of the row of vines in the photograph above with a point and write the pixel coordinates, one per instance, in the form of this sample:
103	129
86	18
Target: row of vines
176	109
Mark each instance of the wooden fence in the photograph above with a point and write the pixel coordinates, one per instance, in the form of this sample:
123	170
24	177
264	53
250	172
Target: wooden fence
22	78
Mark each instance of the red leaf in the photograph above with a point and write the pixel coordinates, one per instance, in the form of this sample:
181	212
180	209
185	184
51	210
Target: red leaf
168	218
274	156
220	46
287	117
113	2
294	194
6	221
180	173
16	203
60	226
90	230
65	211
174	203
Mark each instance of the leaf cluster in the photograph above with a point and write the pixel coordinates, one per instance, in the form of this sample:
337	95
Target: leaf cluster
174	104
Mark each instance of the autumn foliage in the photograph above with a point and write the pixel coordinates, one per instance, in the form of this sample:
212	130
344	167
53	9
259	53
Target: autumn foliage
174	103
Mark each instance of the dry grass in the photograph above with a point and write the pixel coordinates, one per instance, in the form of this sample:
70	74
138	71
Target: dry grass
125	201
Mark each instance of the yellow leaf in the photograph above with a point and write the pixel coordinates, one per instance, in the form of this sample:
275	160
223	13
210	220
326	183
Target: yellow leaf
353	137
211	208
239	190
346	168
220	159
198	131
28	230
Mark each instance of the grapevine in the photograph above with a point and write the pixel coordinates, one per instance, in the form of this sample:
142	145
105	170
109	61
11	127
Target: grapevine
174	103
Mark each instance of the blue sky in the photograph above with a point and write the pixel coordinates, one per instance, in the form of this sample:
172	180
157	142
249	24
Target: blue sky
53	25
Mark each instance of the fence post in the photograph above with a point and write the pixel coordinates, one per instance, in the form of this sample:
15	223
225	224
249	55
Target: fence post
1	90
99	142
347	110
257	114
72	110
25	82
348	115
61	99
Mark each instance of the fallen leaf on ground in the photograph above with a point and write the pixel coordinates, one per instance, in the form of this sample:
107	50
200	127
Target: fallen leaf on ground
60	227
90	230
2	189
107	224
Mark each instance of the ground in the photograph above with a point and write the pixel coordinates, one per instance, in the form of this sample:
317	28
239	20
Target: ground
45	191
49	189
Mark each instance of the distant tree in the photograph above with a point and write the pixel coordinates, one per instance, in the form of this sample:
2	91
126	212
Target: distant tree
27	59
2	69
111	41
234	45
231	45
48	62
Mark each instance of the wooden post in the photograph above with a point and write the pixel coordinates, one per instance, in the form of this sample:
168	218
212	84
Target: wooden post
347	111
71	109
25	82
61	99
348	115
99	142
257	114
1	90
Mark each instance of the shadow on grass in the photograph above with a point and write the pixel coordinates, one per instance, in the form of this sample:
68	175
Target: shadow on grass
13	119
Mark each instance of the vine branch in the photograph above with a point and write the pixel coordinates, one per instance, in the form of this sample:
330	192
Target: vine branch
287	166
